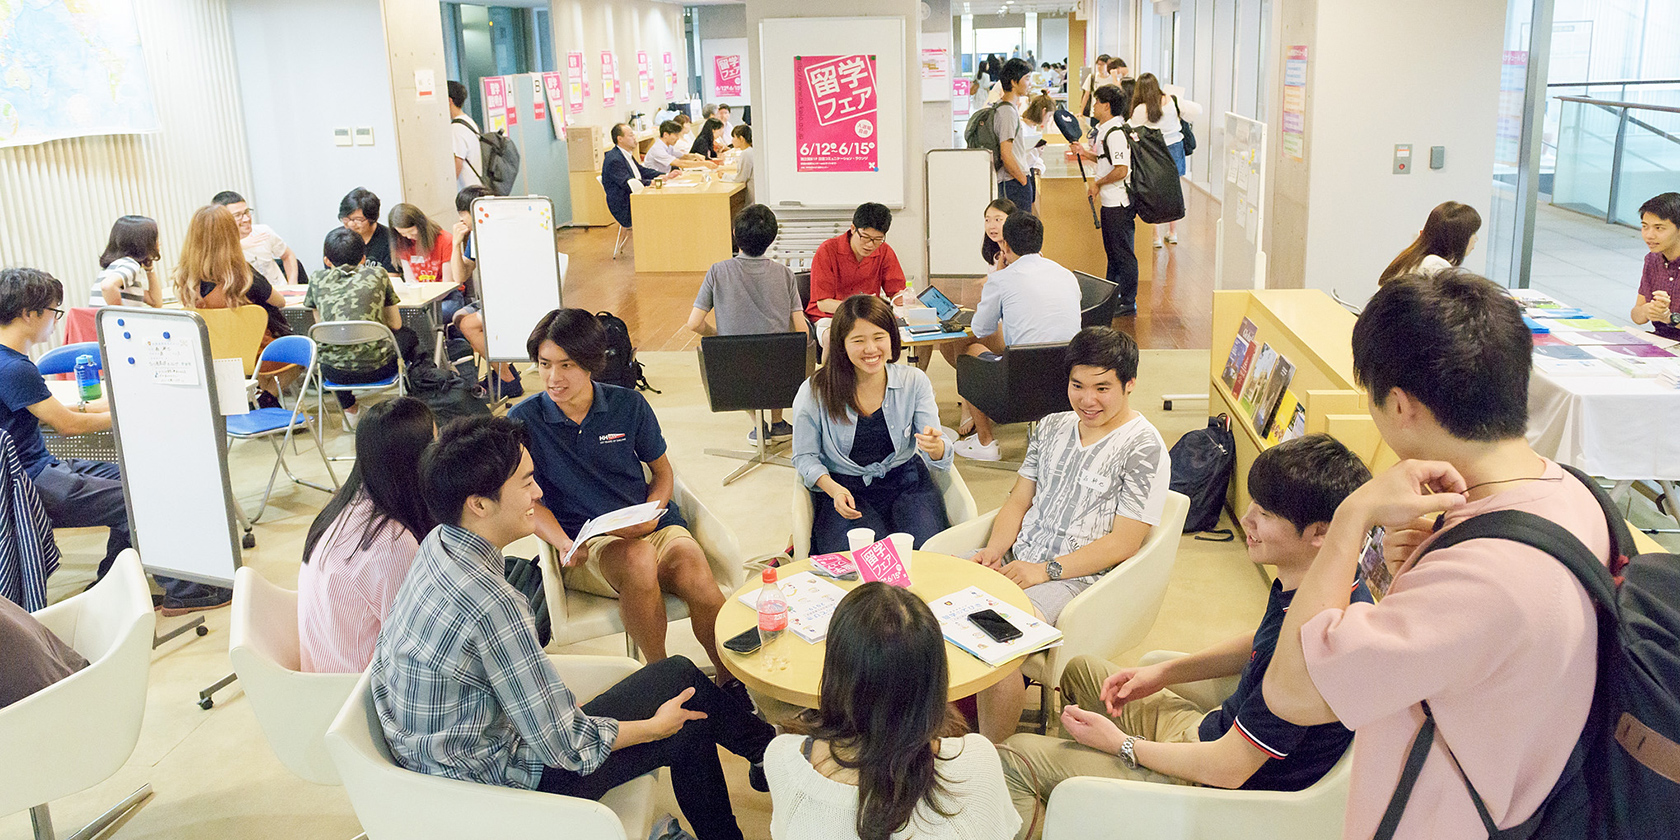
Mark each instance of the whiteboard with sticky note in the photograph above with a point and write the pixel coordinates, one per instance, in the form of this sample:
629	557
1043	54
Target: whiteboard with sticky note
519	269
171	442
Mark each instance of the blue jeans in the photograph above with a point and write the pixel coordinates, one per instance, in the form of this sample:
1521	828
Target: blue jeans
1021	194
904	500
1177	152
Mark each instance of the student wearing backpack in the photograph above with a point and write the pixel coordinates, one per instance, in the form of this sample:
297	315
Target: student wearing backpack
1113	156
1496	639
463	138
1164	113
1013	177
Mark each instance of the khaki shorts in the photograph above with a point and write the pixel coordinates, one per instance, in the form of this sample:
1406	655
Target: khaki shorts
587	576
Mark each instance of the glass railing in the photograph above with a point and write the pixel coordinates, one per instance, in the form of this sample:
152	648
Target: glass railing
1613	154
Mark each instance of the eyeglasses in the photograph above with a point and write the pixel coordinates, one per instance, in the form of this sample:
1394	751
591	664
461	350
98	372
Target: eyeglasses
244	215
871	240
58	314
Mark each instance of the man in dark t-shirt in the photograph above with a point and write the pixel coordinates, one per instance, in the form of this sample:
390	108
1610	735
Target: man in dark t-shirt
1126	723
359	211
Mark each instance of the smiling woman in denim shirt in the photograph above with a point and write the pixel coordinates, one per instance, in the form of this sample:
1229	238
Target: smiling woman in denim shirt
859	426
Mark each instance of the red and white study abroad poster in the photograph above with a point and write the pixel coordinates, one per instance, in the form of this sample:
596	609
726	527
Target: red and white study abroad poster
834	113
609	78
495	103
577	82
726	75
670	77
644	75
554	88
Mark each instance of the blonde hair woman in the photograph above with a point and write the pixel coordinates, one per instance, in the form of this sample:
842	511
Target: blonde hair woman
212	274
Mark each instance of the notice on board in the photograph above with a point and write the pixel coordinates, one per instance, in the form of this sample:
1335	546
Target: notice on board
834	113
170	361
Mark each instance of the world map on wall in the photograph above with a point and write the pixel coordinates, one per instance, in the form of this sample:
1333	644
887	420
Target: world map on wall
71	68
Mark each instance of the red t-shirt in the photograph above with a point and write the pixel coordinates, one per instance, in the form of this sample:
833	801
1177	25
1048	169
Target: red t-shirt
837	273
428	268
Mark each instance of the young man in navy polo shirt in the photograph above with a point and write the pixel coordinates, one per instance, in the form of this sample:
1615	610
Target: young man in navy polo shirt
1126	724
589	442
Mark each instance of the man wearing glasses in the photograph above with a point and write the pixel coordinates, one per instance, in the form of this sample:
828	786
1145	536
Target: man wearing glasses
359	211
75	493
857	262
264	249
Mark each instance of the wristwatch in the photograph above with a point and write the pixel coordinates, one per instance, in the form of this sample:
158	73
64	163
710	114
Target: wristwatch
1053	569
1127	753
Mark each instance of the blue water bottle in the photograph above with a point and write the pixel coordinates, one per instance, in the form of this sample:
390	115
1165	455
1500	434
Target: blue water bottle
87	377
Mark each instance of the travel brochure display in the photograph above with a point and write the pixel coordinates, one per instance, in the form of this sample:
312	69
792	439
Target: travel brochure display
1236	365
1259	376
1569	342
954	609
811	602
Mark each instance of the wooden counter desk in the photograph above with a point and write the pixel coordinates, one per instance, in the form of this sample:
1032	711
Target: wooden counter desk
1070	238
685	224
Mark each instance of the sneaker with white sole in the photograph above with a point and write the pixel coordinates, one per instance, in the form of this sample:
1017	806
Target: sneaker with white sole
971	448
1172	239
1159	243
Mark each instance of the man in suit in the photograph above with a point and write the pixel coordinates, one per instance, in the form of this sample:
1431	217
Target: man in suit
617	168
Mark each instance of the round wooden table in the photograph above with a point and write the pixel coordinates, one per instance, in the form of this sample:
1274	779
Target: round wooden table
932	576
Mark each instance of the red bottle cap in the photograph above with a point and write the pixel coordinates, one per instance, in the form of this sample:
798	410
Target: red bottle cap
769	575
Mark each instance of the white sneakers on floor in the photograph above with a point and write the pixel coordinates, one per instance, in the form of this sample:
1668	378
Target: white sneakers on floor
971	448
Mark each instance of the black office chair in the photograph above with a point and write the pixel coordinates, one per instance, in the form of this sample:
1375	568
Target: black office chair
1027	383
802	281
1096	300
753	373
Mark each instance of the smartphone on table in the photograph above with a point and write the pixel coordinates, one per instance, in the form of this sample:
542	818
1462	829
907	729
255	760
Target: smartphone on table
995	625
745	642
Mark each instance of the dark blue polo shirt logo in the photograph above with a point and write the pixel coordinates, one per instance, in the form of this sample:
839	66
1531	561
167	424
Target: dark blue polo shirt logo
614	437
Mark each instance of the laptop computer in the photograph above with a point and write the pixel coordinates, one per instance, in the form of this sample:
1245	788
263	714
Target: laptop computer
951	316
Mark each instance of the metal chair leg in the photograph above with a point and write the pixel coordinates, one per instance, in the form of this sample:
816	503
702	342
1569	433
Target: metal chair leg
760	455
41	817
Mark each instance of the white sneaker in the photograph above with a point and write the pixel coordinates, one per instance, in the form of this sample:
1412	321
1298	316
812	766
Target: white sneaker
1172	239
971	448
351	418
1158	243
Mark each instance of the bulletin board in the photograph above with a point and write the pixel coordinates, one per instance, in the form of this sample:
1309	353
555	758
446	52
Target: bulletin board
834	111
1239	262
724	71
171	441
518	272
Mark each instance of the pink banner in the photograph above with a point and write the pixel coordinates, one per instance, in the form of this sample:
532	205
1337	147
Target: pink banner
834	113
577	82
554	88
495	103
670	77
726	75
644	76
609	78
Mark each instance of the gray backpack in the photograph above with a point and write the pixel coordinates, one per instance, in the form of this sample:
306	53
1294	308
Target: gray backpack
981	132
500	164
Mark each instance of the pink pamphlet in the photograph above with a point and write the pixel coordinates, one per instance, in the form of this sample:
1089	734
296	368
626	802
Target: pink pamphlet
880	561
837	566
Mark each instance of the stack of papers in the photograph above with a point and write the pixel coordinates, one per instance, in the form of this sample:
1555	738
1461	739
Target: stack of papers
953	611
811	602
606	523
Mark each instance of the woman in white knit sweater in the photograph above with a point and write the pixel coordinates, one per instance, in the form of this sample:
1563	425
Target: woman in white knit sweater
876	739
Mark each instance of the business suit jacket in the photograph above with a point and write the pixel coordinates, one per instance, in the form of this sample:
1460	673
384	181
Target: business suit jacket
615	176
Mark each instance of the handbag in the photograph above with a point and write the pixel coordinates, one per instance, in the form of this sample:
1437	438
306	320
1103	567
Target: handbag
1188	129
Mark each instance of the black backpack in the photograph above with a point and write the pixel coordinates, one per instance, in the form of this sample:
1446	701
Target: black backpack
1623	779
1152	180
1188	129
981	132
500	163
622	368
1202	464
444	391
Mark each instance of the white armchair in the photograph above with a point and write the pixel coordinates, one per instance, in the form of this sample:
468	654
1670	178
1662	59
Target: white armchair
75	733
1088	808
293	708
397	804
1109	617
578	616
959	508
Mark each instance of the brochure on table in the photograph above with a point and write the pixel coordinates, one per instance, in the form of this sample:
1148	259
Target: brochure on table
606	523
811	602
1569	342
953	611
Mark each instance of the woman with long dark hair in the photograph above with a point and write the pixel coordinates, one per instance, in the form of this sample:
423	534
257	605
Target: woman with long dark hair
874	766
130	255
1447	237
705	143
423	248
991	247
360	546
865	431
1165	113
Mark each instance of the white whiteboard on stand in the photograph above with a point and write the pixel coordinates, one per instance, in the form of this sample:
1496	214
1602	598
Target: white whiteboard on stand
171	441
519	271
959	186
783	40
1238	259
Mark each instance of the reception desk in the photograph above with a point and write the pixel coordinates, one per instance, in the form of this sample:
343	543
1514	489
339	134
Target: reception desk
1070	237
685	224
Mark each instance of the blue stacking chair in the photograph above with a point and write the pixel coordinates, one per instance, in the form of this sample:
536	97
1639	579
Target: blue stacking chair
92	446
62	359
279	424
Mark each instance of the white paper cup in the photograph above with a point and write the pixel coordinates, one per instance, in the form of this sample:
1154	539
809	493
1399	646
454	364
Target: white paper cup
902	543
857	538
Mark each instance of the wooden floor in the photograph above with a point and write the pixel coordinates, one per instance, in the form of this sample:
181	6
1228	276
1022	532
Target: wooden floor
1175	286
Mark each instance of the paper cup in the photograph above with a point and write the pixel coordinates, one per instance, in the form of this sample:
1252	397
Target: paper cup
857	538
902	543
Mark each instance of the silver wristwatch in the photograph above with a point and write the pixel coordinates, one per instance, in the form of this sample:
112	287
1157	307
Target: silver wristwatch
1127	753
1053	569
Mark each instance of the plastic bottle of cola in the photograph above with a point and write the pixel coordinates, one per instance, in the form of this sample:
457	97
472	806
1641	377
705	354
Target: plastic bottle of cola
772	622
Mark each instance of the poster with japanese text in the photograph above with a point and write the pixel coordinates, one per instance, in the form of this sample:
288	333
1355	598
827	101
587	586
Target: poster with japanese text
726	75
539	99
577	82
1294	101
511	103
670	77
834	113
609	78
644	76
495	103
554	89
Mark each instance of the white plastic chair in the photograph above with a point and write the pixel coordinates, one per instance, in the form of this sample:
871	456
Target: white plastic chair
75	733
1089	808
1111	615
579	616
959	509
397	804
342	333
293	708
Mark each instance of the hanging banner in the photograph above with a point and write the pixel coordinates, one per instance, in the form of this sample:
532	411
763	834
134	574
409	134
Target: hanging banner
1295	101
960	97
726	75
577	82
834	113
644	75
495	103
539	104
512	106
609	78
554	90
670	78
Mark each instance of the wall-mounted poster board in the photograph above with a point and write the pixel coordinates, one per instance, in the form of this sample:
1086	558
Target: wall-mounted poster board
723	71
834	112
1239	262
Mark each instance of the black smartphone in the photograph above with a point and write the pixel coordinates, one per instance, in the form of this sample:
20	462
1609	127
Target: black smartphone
744	643
995	625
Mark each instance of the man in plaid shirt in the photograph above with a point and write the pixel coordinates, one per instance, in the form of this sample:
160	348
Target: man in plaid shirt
464	690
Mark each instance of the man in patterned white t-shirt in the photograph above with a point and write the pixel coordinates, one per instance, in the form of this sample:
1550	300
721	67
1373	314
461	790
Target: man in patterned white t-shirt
1093	483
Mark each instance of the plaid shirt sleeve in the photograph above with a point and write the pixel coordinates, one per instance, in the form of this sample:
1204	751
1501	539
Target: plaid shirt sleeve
550	723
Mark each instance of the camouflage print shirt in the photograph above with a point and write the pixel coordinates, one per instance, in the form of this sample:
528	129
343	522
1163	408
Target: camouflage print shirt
352	293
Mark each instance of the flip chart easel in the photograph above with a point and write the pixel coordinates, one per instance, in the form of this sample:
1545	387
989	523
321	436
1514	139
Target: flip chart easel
519	270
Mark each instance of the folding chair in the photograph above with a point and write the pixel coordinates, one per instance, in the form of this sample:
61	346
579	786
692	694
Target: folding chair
278	424
342	333
623	237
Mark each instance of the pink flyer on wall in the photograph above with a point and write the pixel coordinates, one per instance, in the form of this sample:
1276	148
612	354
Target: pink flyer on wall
577	82
609	78
644	76
495	103
834	113
670	77
726	75
554	90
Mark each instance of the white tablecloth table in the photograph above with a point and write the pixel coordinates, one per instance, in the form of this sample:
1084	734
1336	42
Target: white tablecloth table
1610	425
